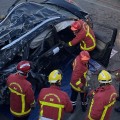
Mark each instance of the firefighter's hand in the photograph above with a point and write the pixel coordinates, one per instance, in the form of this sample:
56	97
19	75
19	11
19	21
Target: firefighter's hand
64	44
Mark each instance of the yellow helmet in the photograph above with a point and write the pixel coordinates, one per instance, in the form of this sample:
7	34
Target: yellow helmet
104	77
54	76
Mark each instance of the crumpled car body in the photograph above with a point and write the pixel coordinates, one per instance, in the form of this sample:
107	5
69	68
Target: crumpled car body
37	32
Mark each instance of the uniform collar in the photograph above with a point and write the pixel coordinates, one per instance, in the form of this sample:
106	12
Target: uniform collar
21	76
103	88
55	87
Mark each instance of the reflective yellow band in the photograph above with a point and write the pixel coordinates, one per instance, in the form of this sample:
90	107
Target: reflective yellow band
22	100
104	112
14	83
106	108
69	44
19	114
89	116
78	82
13	91
94	43
76	88
51	104
41	110
60	107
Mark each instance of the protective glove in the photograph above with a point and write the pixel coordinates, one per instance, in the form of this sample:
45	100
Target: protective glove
66	45
69	44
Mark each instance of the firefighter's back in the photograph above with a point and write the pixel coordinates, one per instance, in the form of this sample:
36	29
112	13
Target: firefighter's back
53	103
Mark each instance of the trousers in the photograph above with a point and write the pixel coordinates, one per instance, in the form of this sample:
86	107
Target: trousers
83	97
21	118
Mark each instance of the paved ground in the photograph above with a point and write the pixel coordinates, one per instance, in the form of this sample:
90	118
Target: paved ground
102	11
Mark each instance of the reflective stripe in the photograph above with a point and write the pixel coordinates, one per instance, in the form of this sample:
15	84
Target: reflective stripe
104	112
78	82
92	38
52	94
69	44
41	110
23	103
89	116
85	74
60	107
74	103
14	83
44	118
76	88
106	108
20	114
13	91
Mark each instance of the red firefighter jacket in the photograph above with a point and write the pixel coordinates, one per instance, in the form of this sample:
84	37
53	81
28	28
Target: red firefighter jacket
53	103
21	95
85	37
78	79
102	103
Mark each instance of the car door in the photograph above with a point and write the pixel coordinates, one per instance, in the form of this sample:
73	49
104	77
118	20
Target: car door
105	37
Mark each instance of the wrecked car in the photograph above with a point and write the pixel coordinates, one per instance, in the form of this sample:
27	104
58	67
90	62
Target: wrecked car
37	32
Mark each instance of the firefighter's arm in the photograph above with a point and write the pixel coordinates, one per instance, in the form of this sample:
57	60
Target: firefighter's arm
8	80
40	97
78	38
77	76
97	107
30	96
68	107
38	100
77	72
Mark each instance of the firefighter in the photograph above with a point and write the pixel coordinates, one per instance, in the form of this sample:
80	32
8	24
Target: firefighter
54	102
83	35
117	109
104	98
78	79
21	93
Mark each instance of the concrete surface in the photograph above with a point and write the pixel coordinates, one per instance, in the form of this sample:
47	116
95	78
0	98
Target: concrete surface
102	11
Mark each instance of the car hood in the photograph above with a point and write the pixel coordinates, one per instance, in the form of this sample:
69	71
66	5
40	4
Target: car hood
23	23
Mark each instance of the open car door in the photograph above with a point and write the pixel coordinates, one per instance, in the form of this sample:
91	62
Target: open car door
105	36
